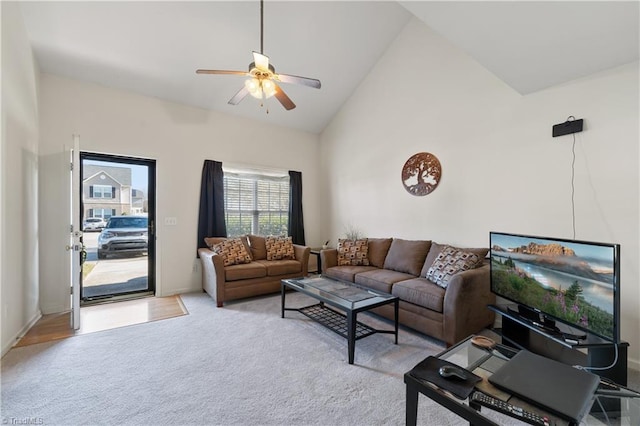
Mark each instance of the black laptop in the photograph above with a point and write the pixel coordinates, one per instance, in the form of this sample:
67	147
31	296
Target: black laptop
557	388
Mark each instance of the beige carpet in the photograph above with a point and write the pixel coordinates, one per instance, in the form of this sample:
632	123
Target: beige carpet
237	365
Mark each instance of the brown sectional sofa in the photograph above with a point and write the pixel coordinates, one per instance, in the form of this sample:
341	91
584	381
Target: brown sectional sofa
260	276
399	267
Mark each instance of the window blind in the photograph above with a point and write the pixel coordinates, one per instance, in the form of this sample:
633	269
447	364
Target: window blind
256	204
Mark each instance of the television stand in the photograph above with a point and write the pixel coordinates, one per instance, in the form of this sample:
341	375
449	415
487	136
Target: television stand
547	324
565	344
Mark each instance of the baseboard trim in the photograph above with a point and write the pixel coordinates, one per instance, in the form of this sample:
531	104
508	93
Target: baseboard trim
54	309
183	290
20	334
633	364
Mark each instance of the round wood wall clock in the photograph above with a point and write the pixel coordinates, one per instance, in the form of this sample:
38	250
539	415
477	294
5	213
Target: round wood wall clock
421	174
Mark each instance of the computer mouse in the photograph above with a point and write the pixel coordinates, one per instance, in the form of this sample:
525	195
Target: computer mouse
450	371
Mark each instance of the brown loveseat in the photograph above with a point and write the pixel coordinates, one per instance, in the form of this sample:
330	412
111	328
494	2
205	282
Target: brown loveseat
400	267
256	277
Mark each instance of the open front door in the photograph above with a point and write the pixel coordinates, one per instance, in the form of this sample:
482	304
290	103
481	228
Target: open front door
75	246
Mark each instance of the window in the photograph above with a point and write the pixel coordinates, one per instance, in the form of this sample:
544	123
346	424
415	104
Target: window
103	213
256	204
102	191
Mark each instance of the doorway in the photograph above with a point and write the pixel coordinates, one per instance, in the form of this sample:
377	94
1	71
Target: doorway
117	213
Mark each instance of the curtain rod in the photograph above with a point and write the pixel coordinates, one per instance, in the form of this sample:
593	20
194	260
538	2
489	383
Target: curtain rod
240	167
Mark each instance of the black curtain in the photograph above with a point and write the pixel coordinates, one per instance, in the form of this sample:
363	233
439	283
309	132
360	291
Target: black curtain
211	218
296	222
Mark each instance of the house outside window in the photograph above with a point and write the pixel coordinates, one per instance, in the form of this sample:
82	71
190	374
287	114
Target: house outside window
103	213
106	190
102	191
256	203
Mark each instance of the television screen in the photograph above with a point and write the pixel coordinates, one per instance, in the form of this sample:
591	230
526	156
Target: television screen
576	282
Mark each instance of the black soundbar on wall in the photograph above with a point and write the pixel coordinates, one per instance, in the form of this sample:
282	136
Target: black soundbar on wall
568	127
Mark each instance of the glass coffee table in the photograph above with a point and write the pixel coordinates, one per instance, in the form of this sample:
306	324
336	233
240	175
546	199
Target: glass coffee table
612	405
344	296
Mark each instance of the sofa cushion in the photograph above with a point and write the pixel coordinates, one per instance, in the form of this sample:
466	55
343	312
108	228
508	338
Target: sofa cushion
449	262
279	248
346	273
258	247
421	292
212	241
378	249
435	250
381	279
281	267
244	271
353	252
407	256
232	251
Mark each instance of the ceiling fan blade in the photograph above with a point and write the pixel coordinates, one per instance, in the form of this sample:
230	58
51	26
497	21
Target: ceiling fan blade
261	61
239	96
286	102
294	79
221	72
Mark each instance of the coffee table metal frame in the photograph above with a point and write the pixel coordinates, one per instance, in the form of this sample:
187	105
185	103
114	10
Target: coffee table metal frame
345	324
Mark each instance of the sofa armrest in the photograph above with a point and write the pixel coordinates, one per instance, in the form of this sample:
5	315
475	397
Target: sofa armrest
302	254
328	258
212	275
465	304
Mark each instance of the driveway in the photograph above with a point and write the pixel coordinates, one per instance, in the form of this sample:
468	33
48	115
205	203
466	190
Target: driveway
113	270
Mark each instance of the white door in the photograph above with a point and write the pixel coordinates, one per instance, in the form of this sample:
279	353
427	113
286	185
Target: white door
75	238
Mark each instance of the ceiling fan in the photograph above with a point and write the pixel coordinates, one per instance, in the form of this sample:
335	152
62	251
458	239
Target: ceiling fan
262	81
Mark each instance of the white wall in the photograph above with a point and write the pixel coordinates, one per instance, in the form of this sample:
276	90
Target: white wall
19	180
502	170
179	138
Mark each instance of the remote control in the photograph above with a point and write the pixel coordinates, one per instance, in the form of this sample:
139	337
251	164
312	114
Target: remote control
509	409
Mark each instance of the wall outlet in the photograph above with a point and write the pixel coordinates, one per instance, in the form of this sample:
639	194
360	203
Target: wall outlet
170	221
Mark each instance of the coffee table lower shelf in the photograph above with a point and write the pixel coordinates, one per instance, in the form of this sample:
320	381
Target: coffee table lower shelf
343	320
335	321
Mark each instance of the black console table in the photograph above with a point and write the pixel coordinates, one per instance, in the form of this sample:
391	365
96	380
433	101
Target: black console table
593	351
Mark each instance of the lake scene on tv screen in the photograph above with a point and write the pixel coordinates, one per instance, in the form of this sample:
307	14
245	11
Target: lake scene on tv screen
568	280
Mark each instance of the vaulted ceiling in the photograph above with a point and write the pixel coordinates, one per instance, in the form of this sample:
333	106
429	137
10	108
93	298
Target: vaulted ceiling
154	48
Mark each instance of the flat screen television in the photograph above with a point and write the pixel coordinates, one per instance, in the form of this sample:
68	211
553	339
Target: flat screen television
573	282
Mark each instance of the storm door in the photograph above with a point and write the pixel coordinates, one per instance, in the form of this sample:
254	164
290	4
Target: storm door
118	221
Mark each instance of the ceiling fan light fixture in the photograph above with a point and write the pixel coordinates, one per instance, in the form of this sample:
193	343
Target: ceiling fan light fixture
253	86
262	78
268	88
260	88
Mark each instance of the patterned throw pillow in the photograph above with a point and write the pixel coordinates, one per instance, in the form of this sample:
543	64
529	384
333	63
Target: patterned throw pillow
232	251
449	262
279	248
353	252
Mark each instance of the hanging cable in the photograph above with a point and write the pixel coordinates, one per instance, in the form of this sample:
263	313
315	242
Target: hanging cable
613	364
573	178
573	186
608	367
